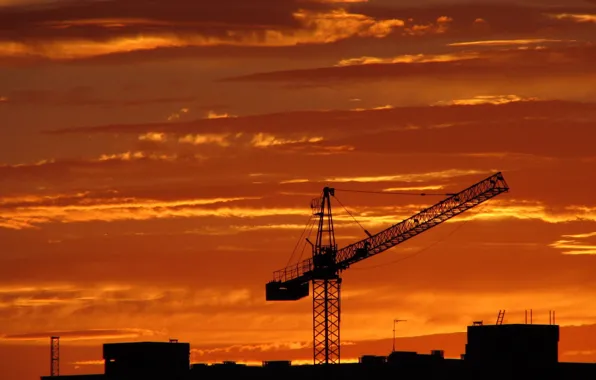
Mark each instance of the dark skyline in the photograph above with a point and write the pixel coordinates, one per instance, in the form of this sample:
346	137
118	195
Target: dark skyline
158	160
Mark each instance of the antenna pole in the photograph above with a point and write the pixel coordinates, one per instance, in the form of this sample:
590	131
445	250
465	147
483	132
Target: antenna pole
395	321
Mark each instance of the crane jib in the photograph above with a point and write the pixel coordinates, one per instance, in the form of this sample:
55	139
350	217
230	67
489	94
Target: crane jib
296	276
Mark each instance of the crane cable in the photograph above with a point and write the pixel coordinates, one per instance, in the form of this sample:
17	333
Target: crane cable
312	220
349	213
423	249
378	192
304	246
394	193
308	223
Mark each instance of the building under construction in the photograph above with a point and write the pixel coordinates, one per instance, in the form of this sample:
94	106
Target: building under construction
507	350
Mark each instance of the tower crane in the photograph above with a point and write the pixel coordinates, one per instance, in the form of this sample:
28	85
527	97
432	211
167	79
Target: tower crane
323	269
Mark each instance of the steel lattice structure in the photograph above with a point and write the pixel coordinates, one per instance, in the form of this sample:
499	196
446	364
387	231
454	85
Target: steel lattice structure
327	262
326	314
55	356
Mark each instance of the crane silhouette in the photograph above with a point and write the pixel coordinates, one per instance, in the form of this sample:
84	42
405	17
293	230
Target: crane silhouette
327	262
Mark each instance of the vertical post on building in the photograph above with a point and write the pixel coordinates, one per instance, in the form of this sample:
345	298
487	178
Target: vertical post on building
550	317
55	356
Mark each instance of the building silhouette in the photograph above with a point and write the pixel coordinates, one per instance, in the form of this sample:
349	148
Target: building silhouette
506	351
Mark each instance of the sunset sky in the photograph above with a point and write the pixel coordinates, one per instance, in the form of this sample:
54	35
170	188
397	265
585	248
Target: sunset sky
158	159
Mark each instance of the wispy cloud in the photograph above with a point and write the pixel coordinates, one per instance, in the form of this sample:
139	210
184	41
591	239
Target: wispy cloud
319	123
207	138
88	363
265	140
577	244
81	335
530	61
415	177
265	347
63	40
178	114
153	136
487	99
129	209
257	215
409	58
575	17
138	155
506	42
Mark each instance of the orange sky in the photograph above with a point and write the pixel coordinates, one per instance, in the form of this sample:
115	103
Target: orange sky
158	159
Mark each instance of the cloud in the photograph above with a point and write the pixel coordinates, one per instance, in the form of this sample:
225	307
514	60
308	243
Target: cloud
215	115
62	33
412	126
409	58
263	140
129	209
88	363
200	139
580	236
238	349
129	156
152	136
211	114
258	213
471	142
439	27
577	244
81	335
83	302
261	324
378	118
413	177
479	137
487	99
241	140
178	114
111	32
340	24
506	42
579	18
537	62
385	107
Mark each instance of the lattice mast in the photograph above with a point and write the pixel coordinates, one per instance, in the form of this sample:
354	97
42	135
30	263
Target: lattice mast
326	284
324	267
55	356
